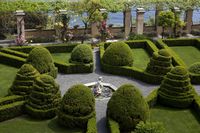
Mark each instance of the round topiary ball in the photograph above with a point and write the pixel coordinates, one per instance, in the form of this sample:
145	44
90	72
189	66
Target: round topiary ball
24	79
127	107
176	89
118	54
82	53
44	98
42	60
160	63
195	68
77	107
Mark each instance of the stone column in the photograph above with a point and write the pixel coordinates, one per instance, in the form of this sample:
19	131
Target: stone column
127	22
20	22
140	21
94	29
158	28
188	20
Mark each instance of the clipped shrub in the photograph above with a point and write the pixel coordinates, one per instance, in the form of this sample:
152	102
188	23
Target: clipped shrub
42	60
118	54
44	98
24	79
160	63
91	125
195	68
77	107
113	126
82	53
127	107
150	127
176	89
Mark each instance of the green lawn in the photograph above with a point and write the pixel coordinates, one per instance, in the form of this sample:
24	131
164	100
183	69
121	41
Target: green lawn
141	58
189	54
176	120
61	57
24	124
7	75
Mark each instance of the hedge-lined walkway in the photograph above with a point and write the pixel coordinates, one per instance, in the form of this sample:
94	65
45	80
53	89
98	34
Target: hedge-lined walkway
68	80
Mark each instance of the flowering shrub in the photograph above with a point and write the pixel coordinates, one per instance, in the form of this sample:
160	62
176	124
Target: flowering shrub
20	40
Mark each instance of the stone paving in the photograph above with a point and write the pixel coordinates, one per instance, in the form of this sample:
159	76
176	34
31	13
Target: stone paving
67	80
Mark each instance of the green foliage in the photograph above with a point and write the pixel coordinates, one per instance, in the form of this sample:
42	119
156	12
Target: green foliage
160	63
42	60
91	125
35	19
24	79
82	53
150	127
166	19
77	107
118	54
113	126
44	98
195	68
127	107
176	89
134	36
196	104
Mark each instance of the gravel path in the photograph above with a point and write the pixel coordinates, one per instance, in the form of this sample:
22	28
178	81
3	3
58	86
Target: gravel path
68	80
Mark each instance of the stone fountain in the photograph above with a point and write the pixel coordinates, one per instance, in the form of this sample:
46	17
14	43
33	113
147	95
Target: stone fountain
100	89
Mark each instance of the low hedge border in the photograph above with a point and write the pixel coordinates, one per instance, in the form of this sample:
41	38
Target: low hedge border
11	106
176	60
151	99
196	104
113	126
10	99
91	125
14	56
132	71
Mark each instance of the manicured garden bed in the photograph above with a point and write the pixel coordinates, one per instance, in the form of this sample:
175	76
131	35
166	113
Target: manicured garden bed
16	56
176	120
24	124
185	52
142	51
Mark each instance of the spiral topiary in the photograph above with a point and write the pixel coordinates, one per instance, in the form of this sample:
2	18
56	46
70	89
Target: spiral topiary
82	53
176	89
44	98
160	63
195	68
118	54
24	79
127	107
42	60
77	107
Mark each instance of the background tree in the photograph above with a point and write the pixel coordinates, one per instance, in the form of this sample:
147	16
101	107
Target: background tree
166	19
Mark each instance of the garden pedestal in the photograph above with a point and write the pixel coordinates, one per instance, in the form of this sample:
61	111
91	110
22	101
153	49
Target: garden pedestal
140	21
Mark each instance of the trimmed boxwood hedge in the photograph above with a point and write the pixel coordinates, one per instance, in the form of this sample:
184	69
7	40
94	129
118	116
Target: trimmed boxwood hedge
127	107
41	59
11	106
24	79
44	98
118	54
176	90
91	125
82	54
160	63
132	71
113	126
77	107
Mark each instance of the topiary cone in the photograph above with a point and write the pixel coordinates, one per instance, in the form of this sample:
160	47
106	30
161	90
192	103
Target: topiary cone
77	107
24	79
41	59
160	63
44	98
127	107
176	89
